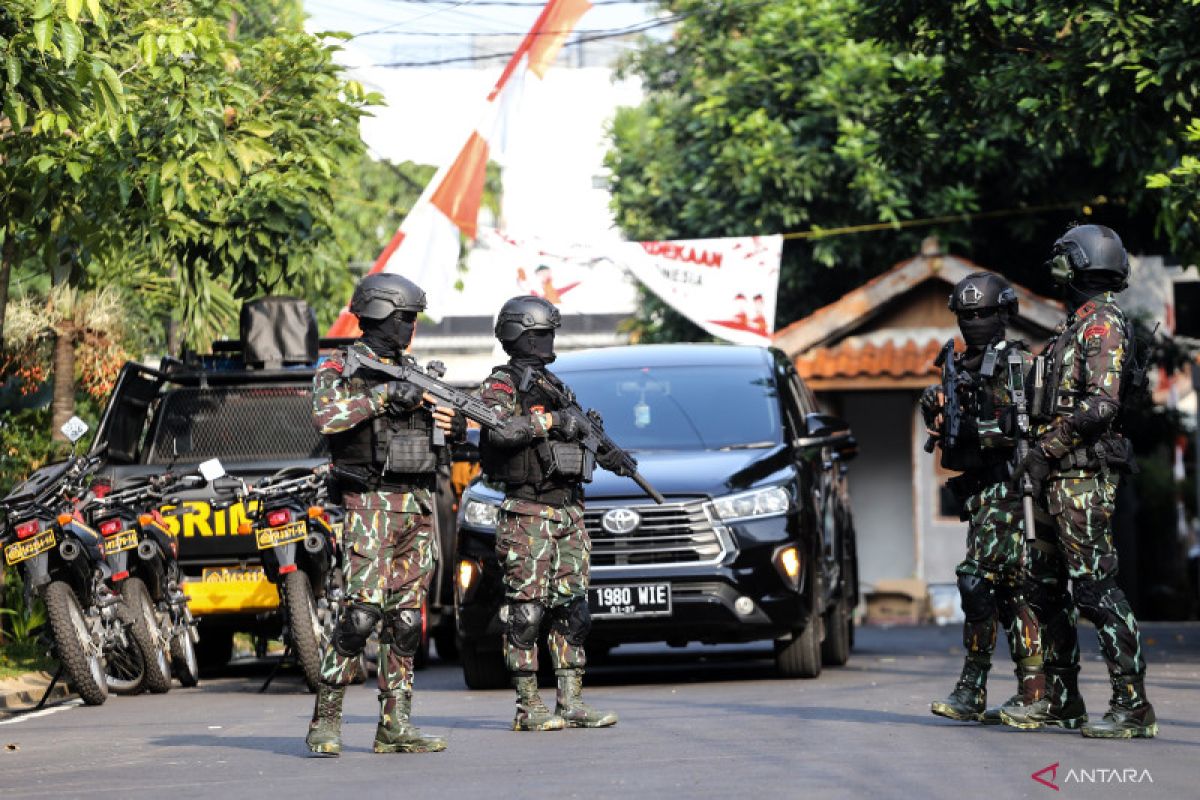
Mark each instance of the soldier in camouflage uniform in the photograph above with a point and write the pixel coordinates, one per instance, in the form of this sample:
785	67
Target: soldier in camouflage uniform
1076	458
992	577
540	539
380	435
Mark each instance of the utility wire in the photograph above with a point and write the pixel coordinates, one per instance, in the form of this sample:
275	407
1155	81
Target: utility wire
434	13
821	233
612	34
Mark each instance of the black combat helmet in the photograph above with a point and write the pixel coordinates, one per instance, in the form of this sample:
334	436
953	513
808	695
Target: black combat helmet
526	313
377	296
984	303
983	290
1092	252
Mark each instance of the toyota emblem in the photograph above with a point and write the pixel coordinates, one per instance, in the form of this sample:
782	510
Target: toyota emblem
620	520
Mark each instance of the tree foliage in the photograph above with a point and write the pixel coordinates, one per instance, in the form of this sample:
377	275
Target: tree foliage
768	117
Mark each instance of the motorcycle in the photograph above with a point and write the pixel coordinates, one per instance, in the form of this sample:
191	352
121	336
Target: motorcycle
297	532
143	553
62	560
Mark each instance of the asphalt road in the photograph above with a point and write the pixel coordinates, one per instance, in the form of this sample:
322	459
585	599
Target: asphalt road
706	722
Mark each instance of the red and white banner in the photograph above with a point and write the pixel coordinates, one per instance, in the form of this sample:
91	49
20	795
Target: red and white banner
726	286
426	248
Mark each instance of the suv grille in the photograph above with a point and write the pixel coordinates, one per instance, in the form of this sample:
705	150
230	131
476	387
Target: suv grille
673	533
238	423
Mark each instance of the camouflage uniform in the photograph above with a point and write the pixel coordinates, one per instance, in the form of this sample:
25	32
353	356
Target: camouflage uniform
545	553
992	576
389	548
1084	453
544	550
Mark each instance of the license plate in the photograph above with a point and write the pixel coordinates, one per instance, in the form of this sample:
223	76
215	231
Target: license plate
232	575
17	552
125	540
273	537
637	600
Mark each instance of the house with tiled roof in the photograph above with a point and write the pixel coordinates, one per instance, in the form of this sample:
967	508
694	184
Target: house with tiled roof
867	356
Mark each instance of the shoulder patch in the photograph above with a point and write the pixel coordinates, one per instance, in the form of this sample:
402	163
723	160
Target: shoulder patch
1086	309
1095	330
334	364
501	386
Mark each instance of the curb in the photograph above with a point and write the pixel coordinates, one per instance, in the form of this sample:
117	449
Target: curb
28	691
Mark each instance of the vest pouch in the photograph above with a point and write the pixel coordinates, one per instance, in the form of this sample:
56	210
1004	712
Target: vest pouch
568	459
410	452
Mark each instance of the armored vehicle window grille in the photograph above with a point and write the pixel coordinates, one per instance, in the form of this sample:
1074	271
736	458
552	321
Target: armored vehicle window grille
672	533
237	423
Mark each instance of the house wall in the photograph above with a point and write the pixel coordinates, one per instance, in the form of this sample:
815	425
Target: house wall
881	487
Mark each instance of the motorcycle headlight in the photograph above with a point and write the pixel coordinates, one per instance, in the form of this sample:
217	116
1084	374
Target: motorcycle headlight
758	503
480	514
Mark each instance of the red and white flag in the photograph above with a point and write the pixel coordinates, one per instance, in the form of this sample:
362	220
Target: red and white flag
426	248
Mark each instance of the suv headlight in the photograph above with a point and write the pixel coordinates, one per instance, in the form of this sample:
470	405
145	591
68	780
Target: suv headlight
758	503
480	514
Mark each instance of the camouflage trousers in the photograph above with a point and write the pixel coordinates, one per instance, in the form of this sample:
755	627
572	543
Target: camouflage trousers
995	555
545	554
1081	504
388	557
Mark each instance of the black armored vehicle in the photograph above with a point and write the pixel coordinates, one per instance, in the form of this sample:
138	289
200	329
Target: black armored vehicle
755	541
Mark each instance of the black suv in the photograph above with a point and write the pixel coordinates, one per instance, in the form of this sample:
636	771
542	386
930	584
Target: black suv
756	539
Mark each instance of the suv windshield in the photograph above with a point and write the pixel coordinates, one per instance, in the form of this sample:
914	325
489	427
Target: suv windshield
682	408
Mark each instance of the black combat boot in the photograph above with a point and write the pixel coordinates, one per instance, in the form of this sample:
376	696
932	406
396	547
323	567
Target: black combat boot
1129	716
1062	706
1031	688
325	730
396	733
571	707
968	701
532	714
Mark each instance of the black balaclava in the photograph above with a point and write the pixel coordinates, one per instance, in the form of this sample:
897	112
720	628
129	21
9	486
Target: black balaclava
389	336
979	333
1086	285
531	349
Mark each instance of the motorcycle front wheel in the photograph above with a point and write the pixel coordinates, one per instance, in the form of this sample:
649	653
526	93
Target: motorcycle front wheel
124	656
183	652
80	657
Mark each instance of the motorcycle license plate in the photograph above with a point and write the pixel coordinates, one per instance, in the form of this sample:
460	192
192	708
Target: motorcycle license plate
17	552
232	575
273	537
637	600
125	540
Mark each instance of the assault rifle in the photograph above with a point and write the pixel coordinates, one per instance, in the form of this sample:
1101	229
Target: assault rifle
593	437
429	380
1016	388
951	407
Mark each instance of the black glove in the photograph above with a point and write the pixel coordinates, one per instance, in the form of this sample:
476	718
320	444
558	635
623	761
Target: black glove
931	404
612	461
1036	466
403	395
458	428
566	426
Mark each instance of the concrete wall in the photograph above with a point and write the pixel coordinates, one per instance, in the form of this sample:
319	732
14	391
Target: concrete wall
881	482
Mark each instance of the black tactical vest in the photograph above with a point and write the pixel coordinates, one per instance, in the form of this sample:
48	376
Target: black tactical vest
396	447
544	466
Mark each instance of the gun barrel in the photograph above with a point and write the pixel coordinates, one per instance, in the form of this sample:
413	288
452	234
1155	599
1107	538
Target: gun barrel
645	486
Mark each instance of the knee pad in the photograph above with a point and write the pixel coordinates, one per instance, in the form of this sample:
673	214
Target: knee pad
1096	599
977	596
524	623
404	627
354	627
573	621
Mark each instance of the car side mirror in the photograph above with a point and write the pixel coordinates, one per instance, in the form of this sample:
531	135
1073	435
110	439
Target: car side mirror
823	429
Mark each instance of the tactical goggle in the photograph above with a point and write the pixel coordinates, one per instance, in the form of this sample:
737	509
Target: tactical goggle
1060	268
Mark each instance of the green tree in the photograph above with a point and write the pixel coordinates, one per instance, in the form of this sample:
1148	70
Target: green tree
768	117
